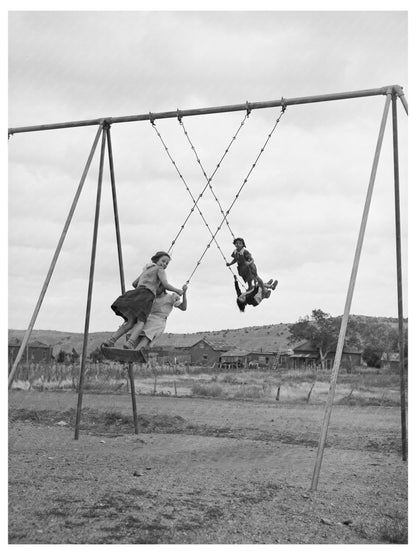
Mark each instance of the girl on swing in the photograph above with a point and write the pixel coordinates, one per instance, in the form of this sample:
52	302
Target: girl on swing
135	305
246	267
254	295
257	290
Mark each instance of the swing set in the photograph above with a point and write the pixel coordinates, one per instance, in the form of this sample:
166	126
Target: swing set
104	125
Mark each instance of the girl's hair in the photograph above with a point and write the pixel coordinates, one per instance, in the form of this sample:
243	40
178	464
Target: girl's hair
241	305
239	239
158	255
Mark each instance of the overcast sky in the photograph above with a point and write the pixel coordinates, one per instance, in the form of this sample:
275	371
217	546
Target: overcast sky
301	207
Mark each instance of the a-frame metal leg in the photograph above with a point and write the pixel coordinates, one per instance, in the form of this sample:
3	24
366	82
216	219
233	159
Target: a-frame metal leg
133	397
399	278
90	287
55	258
344	321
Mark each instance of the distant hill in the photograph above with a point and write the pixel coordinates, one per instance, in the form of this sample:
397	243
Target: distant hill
273	337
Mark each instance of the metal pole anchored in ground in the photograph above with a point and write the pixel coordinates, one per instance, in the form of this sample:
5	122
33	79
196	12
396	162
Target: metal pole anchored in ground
344	322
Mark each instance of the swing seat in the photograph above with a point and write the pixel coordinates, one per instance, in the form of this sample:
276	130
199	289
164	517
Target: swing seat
124	355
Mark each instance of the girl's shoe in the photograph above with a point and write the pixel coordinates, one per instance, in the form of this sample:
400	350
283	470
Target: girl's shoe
274	284
108	343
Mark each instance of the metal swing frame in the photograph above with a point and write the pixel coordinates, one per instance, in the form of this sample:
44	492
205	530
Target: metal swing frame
391	92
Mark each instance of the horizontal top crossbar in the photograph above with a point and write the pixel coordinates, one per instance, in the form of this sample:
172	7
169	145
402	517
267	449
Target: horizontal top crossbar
397	89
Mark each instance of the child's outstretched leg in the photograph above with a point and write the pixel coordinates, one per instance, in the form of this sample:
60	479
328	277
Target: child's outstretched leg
134	335
122	330
271	284
261	283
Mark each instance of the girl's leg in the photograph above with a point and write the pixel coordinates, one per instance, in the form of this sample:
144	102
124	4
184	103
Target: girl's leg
134	335
261	283
143	343
271	284
123	329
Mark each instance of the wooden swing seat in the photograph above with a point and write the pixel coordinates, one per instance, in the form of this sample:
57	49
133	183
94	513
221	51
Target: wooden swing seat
124	355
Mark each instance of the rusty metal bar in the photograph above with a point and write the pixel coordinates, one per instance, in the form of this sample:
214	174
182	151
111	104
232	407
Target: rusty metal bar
399	278
344	321
90	284
211	110
115	209
55	258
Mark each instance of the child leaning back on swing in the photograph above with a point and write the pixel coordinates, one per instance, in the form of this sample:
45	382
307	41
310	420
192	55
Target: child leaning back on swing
135	305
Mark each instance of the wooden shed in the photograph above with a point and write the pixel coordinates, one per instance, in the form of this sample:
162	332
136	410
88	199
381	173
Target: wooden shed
207	353
35	352
306	356
235	358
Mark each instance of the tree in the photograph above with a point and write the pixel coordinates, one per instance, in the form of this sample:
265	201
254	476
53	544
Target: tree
61	356
322	331
74	356
378	339
372	356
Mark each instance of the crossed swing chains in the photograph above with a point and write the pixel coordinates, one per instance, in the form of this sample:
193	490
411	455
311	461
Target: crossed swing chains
195	201
209	184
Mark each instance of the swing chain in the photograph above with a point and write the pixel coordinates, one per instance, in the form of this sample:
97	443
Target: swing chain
195	201
209	179
241	187
234	137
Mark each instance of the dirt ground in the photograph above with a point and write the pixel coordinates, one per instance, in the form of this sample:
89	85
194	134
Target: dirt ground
201	471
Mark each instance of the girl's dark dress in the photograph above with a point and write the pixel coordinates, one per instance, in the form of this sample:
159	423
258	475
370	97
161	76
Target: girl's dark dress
137	303
245	264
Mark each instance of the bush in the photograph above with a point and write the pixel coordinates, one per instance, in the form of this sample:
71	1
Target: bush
250	392
372	357
230	379
211	390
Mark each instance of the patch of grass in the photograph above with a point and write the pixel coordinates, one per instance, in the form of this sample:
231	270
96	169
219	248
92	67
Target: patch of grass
394	530
249	392
367	401
115	418
41	416
208	390
161	423
25	414
213	513
231	379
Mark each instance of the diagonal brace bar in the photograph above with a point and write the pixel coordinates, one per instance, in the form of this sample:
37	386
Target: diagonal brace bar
344	321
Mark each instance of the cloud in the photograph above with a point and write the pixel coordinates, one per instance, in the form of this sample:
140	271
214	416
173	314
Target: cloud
299	211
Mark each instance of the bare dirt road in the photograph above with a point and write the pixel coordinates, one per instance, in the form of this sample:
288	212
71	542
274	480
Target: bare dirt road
201	471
